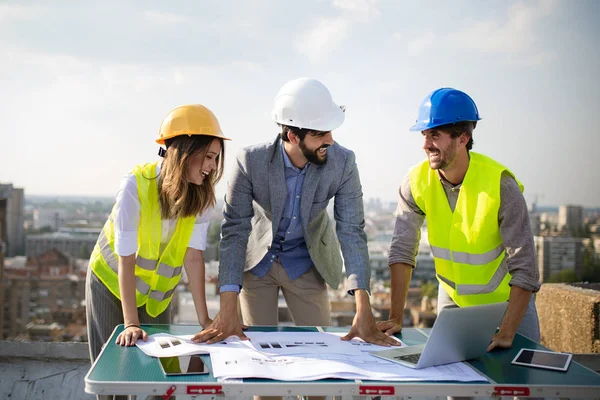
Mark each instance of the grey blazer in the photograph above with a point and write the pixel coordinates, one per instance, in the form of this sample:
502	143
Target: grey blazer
254	204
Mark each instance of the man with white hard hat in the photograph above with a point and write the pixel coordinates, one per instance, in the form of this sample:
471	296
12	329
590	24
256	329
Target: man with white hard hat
277	234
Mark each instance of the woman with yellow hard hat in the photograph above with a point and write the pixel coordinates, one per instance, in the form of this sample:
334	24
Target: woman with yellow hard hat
158	225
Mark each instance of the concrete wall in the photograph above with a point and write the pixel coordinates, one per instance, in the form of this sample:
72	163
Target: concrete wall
31	371
569	318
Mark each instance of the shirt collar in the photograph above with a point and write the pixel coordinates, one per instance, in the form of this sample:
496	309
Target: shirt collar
446	183
288	163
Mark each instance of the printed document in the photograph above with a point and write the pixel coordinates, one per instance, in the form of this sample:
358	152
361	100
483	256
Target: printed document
300	356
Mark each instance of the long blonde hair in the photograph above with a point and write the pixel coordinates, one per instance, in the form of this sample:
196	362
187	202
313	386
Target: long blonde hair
179	198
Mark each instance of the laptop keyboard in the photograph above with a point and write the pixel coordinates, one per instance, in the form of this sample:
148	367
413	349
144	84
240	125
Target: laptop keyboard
411	358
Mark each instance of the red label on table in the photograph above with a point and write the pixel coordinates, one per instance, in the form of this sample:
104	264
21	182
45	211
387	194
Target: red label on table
376	390
511	391
205	389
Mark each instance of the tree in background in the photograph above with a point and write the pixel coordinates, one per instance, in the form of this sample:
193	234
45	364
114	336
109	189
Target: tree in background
591	265
564	276
429	289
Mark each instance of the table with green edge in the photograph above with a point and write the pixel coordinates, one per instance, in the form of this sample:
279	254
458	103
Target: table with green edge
127	370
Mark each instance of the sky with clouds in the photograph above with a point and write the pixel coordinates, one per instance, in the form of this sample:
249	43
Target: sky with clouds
85	85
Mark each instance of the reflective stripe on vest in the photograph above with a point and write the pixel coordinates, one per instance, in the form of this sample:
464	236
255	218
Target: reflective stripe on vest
492	285
144	263
141	286
107	252
157	295
163	269
467	258
160	296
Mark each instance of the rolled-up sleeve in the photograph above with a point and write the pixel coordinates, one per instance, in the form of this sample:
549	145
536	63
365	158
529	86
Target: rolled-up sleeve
127	216
407	230
199	237
515	229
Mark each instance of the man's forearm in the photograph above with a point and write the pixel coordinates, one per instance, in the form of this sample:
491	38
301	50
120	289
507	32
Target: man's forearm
400	275
228	303
518	302
363	304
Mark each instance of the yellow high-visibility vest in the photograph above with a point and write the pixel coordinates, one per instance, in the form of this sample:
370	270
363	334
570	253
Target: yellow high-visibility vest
466	244
156	274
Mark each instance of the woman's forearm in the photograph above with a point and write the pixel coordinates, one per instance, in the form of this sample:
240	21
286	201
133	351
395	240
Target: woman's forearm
127	289
194	266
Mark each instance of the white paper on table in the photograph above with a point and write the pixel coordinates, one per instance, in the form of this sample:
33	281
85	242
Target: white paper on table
307	356
288	343
229	364
165	345
316	355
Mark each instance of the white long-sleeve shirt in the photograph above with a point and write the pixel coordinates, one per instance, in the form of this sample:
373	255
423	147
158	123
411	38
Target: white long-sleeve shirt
127	221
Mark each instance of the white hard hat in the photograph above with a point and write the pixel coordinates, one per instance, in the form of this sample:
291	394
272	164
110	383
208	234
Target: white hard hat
306	103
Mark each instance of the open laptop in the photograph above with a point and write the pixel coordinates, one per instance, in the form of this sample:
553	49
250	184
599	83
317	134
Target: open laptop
458	334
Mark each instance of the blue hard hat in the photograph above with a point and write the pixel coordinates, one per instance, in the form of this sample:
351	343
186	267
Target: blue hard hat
445	106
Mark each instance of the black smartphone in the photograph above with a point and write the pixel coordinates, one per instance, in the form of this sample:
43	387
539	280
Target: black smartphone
183	365
543	359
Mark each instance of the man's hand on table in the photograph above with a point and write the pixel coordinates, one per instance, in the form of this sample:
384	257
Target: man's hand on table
390	326
364	327
222	327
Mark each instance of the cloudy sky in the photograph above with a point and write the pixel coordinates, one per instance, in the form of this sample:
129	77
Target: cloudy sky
84	85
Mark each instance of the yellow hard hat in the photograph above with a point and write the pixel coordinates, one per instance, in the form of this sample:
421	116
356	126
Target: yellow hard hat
192	119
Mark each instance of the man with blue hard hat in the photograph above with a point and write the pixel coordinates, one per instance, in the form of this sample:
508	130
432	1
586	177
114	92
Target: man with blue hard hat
477	223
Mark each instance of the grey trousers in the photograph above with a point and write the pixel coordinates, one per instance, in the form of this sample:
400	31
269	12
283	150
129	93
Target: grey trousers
104	312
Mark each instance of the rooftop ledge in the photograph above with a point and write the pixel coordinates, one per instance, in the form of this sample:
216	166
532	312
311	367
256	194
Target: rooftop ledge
43	370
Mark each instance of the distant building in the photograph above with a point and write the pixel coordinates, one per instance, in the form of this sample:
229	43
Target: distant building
15	218
76	242
548	222
534	219
555	254
425	268
48	218
373	204
378	257
594	243
45	332
570	219
42	289
535	222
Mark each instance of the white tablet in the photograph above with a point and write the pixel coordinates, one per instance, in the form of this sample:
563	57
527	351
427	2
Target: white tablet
183	365
543	359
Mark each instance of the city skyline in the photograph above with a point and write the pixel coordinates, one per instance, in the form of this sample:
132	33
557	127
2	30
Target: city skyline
368	200
86	85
